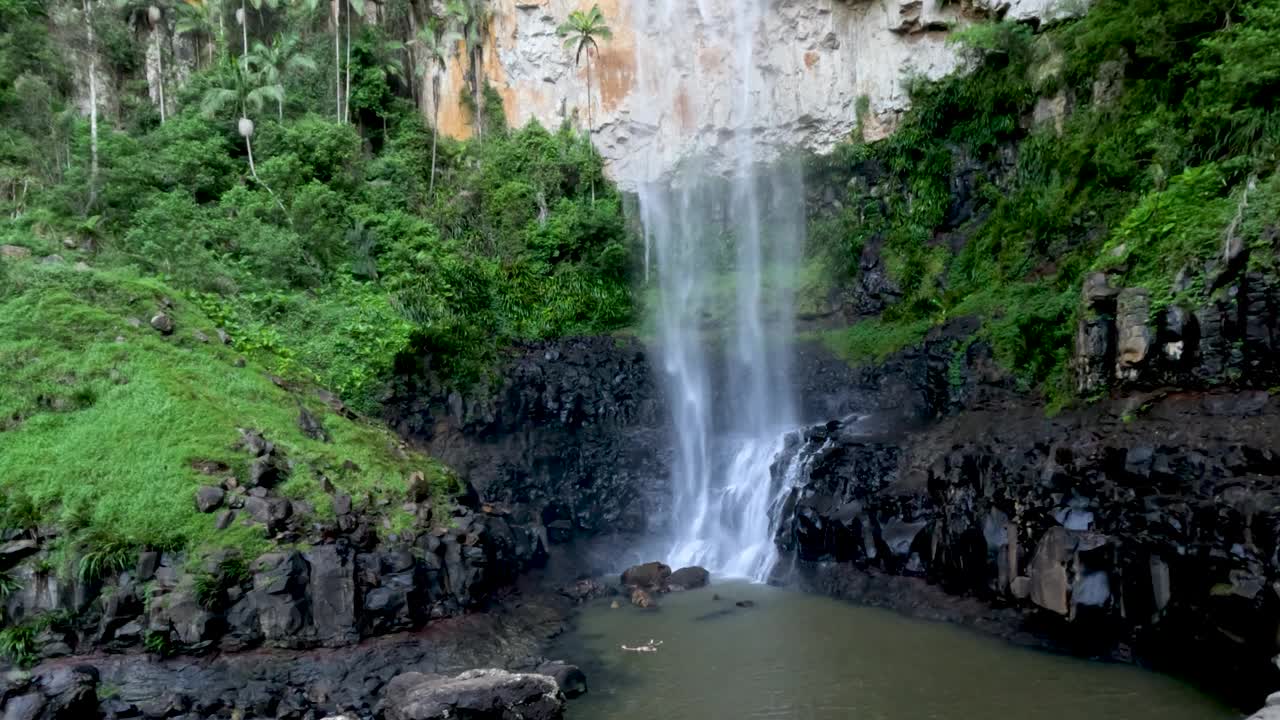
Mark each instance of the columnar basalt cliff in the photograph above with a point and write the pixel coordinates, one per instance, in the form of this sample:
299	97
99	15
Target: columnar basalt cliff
570	431
1142	527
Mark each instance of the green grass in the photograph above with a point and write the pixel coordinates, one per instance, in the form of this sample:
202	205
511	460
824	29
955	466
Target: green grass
98	434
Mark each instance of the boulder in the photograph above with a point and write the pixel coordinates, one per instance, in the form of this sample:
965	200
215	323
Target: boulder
332	590
311	426
341	504
162	323
649	576
586	590
1133	328
569	678
268	470
643	599
271	512
1049	583
71	693
15	550
14	252
224	519
182	614
278	599
476	695
209	498
690	578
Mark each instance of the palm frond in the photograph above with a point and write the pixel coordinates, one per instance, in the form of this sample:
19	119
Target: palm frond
216	99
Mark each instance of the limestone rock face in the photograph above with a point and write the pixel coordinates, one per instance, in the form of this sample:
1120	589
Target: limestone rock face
823	65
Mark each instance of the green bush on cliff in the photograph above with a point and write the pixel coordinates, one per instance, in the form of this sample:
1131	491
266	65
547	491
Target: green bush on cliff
1174	114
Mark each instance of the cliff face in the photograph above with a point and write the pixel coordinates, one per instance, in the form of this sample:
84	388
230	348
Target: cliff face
823	65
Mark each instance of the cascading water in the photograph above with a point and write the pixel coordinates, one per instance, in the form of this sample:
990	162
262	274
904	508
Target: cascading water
725	231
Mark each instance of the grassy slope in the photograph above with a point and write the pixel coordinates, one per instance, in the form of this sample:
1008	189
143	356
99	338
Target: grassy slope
101	419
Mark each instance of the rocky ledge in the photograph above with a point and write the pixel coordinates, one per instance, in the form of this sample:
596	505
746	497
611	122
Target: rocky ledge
353	682
1137	530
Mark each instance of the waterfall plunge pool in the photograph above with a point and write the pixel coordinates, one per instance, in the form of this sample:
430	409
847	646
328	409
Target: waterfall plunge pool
795	656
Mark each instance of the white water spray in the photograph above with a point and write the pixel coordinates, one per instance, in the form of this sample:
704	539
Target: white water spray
725	232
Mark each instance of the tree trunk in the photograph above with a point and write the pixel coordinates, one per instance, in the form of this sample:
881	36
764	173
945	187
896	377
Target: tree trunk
160	68
93	109
244	28
337	55
414	80
475	89
346	105
248	145
435	131
280	110
591	146
590	111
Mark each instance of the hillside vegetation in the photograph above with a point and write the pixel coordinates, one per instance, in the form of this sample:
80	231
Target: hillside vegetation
1168	141
333	240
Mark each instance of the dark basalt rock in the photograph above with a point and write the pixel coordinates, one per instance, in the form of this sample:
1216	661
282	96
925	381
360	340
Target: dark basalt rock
209	498
574	435
1148	537
652	576
569	678
476	694
582	591
690	578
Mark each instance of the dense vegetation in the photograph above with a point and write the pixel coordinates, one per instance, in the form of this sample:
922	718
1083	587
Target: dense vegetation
338	238
1169	142
333	240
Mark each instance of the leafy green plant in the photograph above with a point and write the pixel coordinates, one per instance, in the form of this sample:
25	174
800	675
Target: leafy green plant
18	644
8	585
104	555
159	643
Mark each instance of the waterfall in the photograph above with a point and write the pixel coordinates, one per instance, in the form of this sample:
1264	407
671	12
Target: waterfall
725	228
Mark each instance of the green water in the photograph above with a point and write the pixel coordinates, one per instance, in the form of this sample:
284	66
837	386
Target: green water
803	657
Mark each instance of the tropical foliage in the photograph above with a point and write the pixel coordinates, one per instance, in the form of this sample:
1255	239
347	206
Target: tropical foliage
1171	137
330	232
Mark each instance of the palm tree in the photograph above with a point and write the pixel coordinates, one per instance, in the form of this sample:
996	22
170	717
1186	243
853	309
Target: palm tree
200	19
581	32
272	63
358	6
471	18
241	88
433	49
336	23
92	51
151	12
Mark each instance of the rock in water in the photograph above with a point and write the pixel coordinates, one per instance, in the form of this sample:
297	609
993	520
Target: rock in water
690	578
642	599
570	678
649	576
475	694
